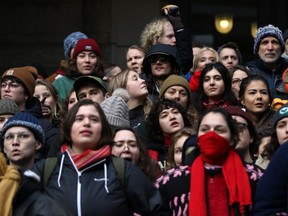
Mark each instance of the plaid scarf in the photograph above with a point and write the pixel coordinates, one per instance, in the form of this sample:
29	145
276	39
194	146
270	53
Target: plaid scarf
88	157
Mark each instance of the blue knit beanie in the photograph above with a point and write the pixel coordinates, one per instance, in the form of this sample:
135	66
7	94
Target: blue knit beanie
70	41
25	119
266	31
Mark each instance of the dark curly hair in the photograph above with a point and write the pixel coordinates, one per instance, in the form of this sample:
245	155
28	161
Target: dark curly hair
153	125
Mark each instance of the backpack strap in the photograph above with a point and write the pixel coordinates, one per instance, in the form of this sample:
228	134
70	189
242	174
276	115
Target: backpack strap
119	165
49	165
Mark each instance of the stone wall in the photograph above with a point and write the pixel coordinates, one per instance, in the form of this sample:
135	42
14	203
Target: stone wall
32	31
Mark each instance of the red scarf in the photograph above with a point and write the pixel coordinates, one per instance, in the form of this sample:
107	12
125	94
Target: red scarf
88	157
235	175
220	103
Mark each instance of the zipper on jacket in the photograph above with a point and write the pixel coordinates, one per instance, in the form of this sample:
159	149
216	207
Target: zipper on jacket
79	194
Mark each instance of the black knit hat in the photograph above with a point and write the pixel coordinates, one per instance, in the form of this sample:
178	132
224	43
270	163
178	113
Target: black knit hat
280	114
163	49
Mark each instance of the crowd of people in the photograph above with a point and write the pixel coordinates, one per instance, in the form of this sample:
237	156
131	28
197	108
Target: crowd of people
183	130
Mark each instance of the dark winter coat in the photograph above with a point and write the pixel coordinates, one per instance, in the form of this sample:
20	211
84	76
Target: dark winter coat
97	190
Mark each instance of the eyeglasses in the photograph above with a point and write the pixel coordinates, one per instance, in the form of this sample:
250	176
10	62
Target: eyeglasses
12	85
162	58
236	81
123	145
241	126
22	137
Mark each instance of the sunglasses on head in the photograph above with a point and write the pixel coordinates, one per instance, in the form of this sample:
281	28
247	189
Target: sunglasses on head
162	58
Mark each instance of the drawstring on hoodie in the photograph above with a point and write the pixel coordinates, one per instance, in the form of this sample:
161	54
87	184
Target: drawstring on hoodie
61	169
105	176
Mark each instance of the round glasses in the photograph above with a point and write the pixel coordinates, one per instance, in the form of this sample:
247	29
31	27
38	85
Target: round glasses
22	137
11	85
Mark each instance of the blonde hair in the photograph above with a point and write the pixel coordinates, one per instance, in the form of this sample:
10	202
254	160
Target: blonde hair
120	81
152	32
197	57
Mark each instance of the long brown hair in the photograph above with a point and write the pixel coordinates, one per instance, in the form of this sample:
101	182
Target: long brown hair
106	132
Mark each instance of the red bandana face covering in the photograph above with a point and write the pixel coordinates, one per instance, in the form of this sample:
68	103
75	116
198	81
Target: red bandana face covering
214	148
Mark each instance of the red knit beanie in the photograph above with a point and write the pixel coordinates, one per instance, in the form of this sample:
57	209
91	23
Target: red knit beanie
87	45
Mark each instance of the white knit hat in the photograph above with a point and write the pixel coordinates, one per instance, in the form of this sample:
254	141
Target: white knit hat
116	109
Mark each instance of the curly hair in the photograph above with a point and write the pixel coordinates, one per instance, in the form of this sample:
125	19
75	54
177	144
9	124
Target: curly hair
153	125
152	32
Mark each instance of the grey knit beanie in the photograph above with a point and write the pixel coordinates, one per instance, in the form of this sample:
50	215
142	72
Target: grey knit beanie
8	107
116	109
266	31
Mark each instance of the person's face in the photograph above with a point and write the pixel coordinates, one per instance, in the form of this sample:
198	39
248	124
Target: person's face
263	142
282	130
3	120
237	78
286	47
177	93
244	135
160	65
20	145
195	50
126	146
86	62
134	60
228	58
205	58
112	73
13	90
136	86
91	92
256	98
72	100
215	122
213	85
269	50
86	129
171	121
168	35
48	105
178	150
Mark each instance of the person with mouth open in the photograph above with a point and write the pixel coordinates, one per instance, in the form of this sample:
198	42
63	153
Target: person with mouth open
85	180
255	96
166	118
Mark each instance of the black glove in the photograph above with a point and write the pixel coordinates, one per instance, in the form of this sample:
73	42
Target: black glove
176	22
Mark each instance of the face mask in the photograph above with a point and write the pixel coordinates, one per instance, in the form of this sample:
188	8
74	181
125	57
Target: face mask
213	148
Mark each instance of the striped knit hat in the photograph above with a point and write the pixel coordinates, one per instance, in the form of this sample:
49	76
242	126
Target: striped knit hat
116	109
